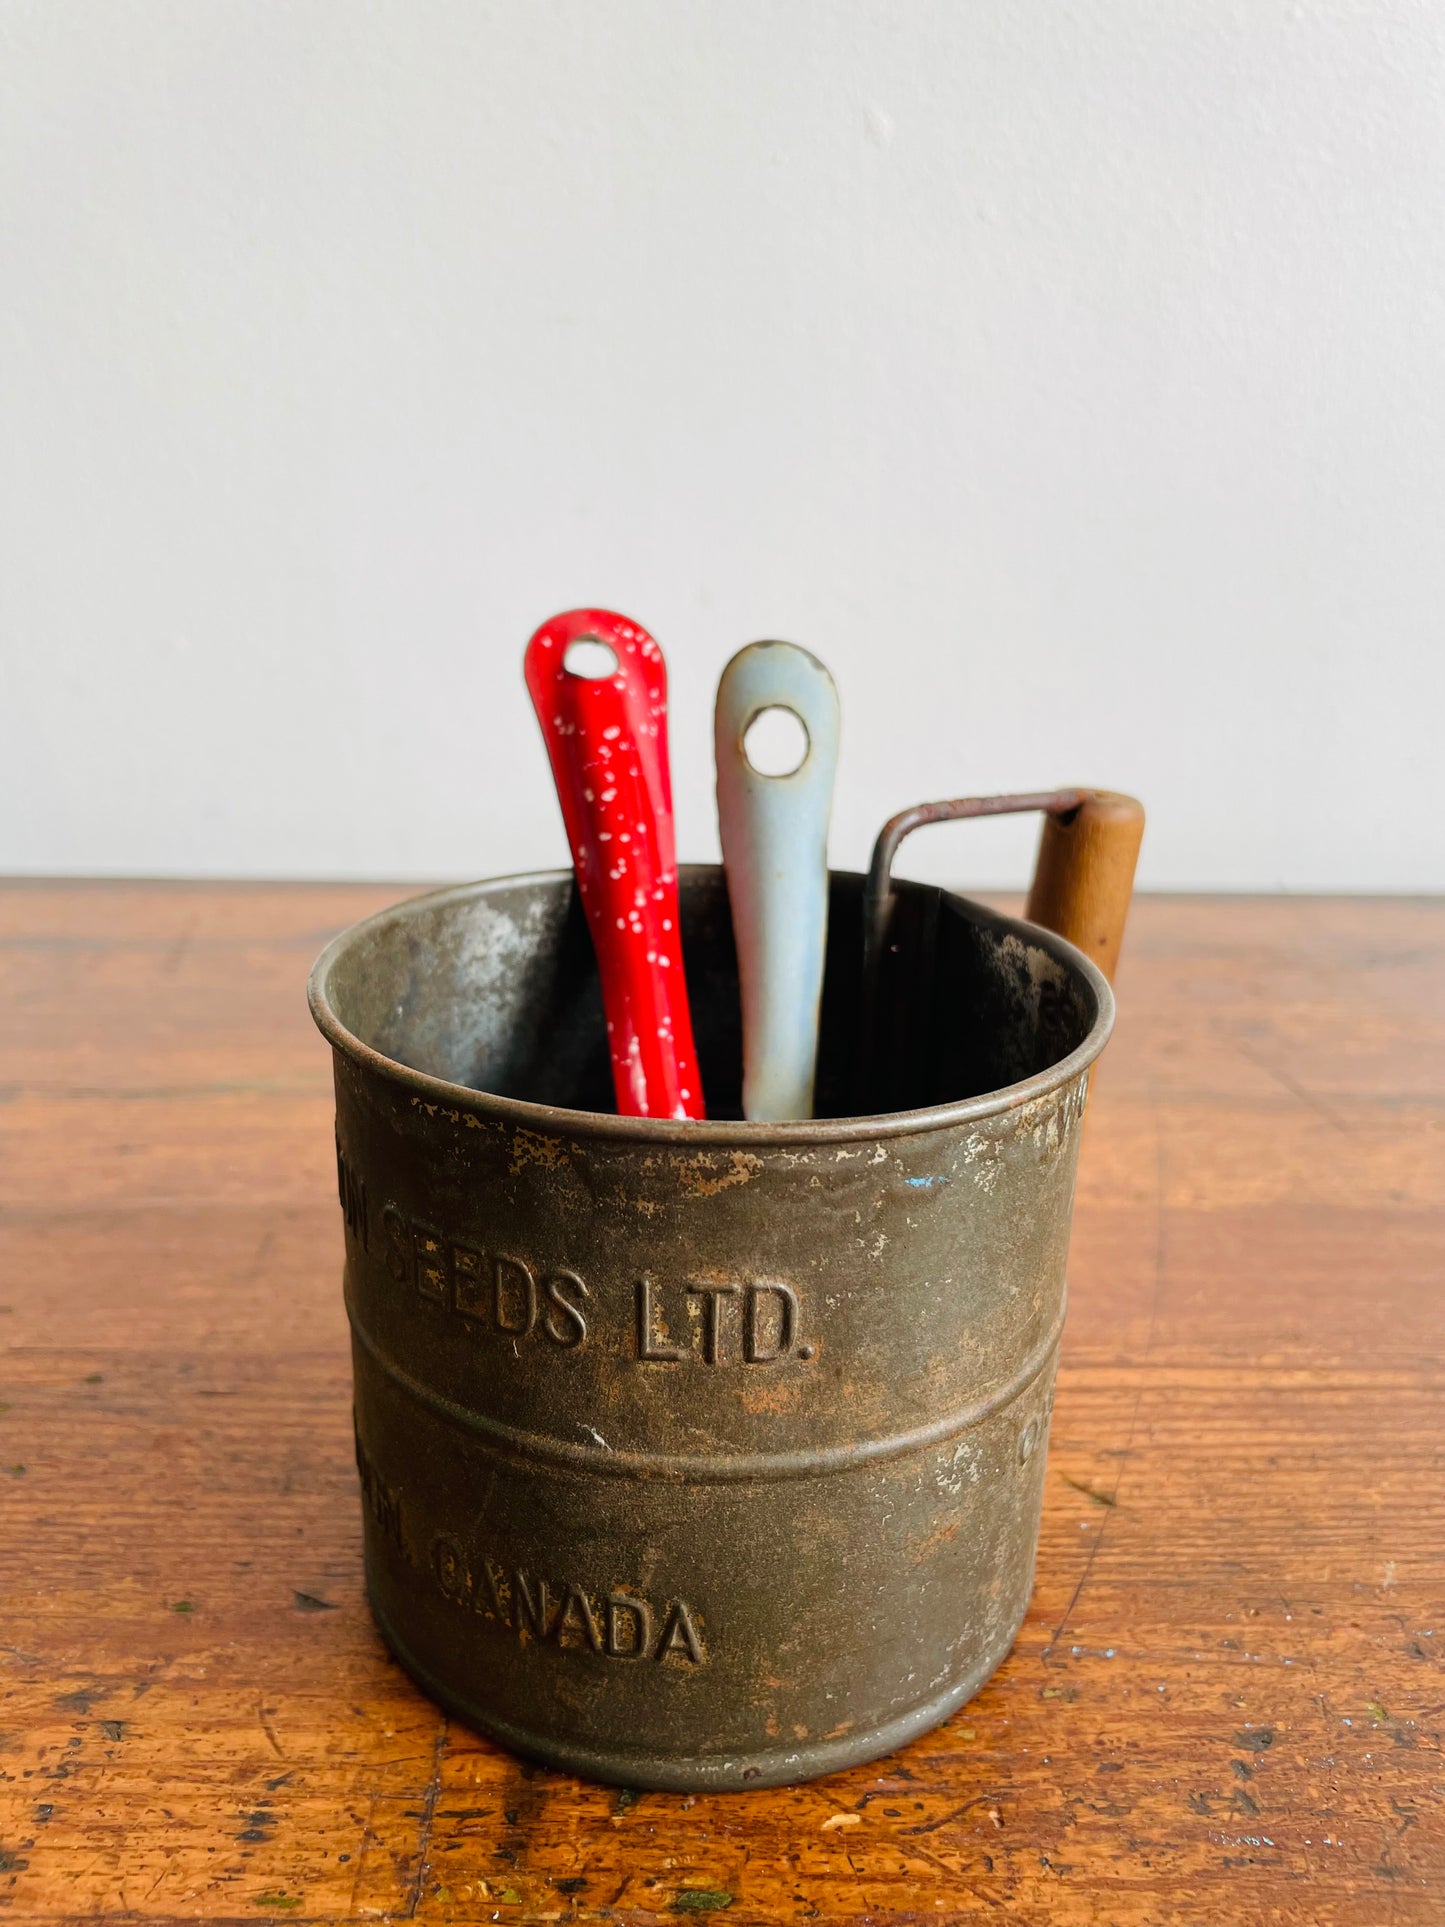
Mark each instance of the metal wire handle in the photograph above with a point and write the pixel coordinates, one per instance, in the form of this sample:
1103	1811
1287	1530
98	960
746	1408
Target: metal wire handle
878	889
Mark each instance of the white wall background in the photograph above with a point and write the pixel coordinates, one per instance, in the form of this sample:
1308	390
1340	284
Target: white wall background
1070	374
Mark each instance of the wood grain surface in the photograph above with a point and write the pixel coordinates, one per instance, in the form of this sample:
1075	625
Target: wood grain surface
1225	1705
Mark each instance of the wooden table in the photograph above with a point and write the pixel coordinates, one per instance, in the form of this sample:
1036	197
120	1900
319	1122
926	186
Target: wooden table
1225	1705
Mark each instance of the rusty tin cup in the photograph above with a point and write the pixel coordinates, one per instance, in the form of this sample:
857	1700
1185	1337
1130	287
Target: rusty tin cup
702	1454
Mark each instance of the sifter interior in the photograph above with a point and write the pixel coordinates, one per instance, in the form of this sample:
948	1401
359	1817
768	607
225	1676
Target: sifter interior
494	987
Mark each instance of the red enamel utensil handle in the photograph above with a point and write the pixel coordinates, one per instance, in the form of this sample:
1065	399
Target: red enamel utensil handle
607	739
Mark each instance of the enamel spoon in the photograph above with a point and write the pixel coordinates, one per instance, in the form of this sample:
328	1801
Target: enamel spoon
606	735
775	849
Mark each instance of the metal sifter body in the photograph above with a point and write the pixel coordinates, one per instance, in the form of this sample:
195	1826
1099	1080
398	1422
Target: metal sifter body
701	1455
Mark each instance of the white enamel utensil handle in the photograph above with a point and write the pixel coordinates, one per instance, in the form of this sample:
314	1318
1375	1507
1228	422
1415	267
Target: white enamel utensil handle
775	848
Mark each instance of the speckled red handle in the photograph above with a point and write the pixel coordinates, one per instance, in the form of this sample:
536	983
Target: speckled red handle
607	738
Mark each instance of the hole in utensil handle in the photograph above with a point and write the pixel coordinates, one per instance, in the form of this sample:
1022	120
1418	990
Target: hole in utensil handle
590	659
776	741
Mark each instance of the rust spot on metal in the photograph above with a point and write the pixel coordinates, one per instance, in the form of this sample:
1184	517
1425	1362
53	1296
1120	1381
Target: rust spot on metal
707	1174
531	1147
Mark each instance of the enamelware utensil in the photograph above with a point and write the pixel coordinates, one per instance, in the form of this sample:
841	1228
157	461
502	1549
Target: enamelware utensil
775	849
606	735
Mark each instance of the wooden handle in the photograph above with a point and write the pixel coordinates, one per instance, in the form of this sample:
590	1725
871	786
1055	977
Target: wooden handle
1084	876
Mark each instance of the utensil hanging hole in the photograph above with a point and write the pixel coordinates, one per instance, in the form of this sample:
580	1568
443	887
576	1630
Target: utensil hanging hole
589	660
776	742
